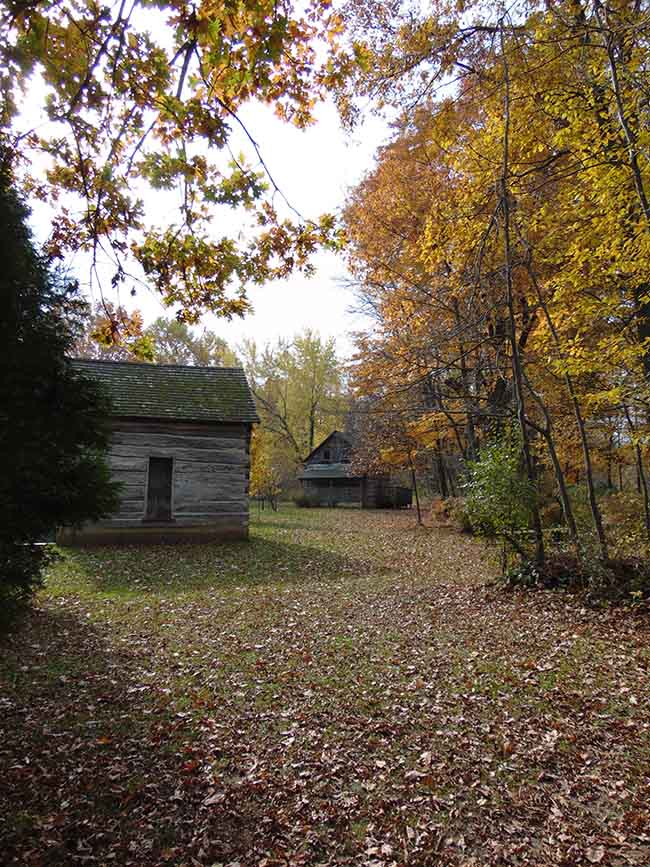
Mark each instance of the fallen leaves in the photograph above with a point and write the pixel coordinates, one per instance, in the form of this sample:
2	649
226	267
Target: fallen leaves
340	691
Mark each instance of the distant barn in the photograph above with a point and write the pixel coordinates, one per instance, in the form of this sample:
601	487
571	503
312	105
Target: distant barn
328	479
180	447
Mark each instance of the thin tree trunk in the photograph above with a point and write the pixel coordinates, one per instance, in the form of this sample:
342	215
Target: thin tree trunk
628	133
516	361
631	142
415	491
312	429
442	481
547	433
610	483
577	412
452	485
641	477
472	449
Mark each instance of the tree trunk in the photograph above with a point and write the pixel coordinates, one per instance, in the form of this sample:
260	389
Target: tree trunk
442	481
312	429
610	446
470	432
415	491
514	346
577	412
640	472
547	433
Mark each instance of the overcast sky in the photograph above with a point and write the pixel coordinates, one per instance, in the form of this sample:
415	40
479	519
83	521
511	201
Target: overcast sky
314	168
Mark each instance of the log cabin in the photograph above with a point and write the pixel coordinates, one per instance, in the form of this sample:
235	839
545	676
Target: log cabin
180	444
328	479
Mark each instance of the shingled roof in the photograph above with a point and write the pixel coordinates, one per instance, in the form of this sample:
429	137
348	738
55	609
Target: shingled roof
174	391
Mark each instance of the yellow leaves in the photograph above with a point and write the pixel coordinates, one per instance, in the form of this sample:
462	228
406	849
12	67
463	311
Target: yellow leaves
130	95
431	428
264	478
395	456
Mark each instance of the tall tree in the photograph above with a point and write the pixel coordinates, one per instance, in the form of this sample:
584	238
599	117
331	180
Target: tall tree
501	241
175	343
113	334
164	341
299	392
53	431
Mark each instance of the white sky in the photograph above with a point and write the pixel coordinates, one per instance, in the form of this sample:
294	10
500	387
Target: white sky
314	168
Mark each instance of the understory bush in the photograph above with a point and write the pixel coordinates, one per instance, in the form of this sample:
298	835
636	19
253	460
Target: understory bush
621	579
551	515
439	511
623	516
450	512
498	497
456	508
306	501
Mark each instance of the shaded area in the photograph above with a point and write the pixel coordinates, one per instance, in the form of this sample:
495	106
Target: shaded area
97	760
219	566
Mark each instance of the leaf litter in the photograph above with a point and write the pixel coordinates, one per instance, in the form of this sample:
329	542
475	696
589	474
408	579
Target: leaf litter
344	689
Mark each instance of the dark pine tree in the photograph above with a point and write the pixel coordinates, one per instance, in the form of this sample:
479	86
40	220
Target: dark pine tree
53	433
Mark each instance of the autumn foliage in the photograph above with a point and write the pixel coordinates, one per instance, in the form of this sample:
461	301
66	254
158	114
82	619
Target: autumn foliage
132	148
501	244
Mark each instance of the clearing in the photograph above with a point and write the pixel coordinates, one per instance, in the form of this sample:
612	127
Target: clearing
344	689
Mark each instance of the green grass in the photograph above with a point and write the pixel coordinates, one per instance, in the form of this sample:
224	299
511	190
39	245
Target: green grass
344	688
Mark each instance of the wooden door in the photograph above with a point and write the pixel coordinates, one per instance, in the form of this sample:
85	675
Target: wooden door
159	489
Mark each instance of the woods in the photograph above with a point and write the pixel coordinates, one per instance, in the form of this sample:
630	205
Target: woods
500	244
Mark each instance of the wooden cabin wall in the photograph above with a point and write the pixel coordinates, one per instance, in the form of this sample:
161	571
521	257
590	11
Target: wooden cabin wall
211	465
338	447
333	491
370	492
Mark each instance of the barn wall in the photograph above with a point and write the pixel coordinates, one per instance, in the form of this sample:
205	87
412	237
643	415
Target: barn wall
338	447
337	491
210	483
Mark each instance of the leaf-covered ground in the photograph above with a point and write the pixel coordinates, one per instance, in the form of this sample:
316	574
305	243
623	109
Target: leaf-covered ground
344	689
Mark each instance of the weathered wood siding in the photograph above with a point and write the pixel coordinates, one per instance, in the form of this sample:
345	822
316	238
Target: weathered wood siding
334	491
338	450
369	492
209	483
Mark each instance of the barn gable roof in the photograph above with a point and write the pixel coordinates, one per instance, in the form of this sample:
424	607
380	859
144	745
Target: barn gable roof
314	467
173	391
335	433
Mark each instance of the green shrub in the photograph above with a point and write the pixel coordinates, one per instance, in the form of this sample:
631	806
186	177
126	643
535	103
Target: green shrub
498	496
22	566
306	501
